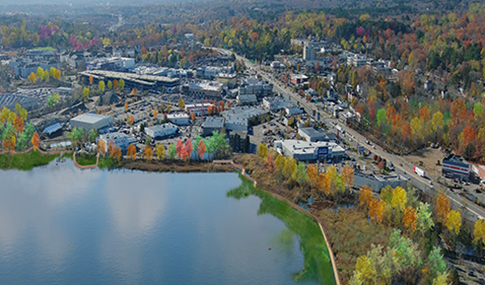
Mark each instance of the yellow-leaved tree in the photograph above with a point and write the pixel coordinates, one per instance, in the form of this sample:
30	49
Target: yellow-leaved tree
479	231
312	172
399	198
365	197
453	223
262	150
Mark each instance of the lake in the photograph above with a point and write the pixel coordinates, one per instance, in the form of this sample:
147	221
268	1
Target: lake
62	225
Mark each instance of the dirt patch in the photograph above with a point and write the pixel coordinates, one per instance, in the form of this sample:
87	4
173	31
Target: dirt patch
175	166
426	159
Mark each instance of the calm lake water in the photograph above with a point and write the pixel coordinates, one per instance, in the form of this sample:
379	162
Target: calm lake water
62	225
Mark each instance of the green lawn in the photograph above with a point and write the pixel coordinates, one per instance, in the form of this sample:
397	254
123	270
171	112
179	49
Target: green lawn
44	48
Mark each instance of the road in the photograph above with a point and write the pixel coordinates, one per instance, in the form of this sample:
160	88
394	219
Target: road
401	165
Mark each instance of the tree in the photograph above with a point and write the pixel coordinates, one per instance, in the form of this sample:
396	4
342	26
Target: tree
454	221
35	141
116	154
86	93
312	172
101	147
269	163
290	166
172	151
479	232
201	149
132	119
77	135
168	108
416	127
181	104
110	85
160	152
180	147
92	135
437	121
18	124
155	113
126	106
442	208
406	131
399	198
410	218
121	84
101	85
148	153
280	162
365	197
332	173
376	210
32	77
91	79
469	135
23	114
299	174
478	110
188	149
381	116
348	174
436	264
40	73
131	152
56	98
424	218
262	150
192	115
424	114
17	108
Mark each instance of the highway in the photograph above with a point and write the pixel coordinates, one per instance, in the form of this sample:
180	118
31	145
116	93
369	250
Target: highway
401	165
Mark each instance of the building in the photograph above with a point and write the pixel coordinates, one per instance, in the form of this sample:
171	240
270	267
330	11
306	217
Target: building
253	85
121	140
236	123
454	166
91	121
309	51
180	119
357	60
111	63
10	100
312	135
377	182
227	79
199	109
275	104
310	151
247	99
212	124
24	69
53	130
253	115
211	90
298	79
161	131
239	141
132	80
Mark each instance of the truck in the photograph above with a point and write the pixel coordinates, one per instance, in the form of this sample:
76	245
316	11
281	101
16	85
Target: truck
419	171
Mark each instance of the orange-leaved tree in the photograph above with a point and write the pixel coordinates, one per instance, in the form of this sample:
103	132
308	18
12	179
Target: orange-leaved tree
410	218
324	183
188	149
348	173
202	149
442	208
312	172
101	147
18	124
126	106
180	147
376	210
148	152
116	154
35	141
366	196
131	152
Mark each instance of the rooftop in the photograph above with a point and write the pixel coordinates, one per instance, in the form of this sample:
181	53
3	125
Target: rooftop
89	118
129	76
244	112
312	132
455	159
162	127
214	122
177	115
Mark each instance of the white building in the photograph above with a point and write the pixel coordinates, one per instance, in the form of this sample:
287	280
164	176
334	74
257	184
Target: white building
91	121
180	119
121	140
160	131
304	151
199	109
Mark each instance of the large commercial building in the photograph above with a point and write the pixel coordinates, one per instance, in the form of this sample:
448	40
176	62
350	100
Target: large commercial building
161	131
210	90
91	121
180	119
377	182
199	109
255	86
227	79
310	151
10	100
132	80
121	140
112	63
212	124
252	115
455	166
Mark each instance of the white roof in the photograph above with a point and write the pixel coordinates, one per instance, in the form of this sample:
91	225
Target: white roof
89	118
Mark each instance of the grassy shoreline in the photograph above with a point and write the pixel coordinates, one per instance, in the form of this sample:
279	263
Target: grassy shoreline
25	161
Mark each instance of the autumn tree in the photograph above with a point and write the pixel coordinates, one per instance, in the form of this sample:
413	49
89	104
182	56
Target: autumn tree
91	79
188	149
160	152
35	141
406	131
148	153
290	166
18	124
469	135
453	223
376	210
101	147
192	116
269	163
324	183
442	208
410	218
424	218
280	162
399	198
155	113
479	232
262	150
116	154
32	77
312	172
181	104
365	197
86	93
180	148
101	86
126	106
348	174
131	152
201	149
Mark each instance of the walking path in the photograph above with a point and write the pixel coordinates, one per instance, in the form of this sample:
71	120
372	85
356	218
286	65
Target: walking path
296	207
85	166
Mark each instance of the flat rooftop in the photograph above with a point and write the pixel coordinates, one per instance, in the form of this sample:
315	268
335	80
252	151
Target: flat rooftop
214	122
89	118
